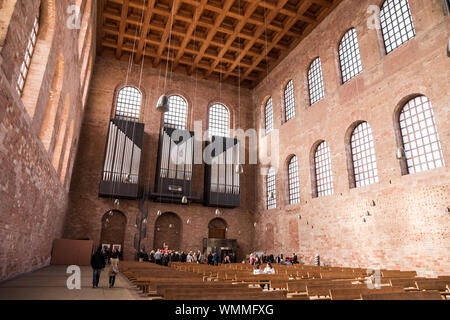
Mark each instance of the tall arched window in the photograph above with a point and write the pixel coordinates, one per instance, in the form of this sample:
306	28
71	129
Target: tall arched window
128	105
396	23
219	120
177	115
315	81
268	114
25	67
323	173
363	155
271	189
294	183
289	101
420	137
349	56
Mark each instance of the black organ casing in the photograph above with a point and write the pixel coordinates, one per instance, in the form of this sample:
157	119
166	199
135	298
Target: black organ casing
120	172
222	183
175	164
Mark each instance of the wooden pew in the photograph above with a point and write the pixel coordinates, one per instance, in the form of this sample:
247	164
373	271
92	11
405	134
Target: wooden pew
172	293
263	295
433	285
419	295
161	287
355	293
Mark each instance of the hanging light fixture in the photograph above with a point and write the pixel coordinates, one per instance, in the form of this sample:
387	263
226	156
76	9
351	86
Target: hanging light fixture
239	169
145	220
254	224
188	221
111	213
217	212
400	154
117	203
159	213
184	200
170	226
163	104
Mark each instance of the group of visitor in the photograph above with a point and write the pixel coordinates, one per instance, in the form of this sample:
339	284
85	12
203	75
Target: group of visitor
163	257
100	259
257	259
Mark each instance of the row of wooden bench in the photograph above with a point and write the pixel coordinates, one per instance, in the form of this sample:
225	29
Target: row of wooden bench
184	281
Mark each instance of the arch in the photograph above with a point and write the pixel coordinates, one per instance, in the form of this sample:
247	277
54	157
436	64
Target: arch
394	13
48	123
417	133
217	228
349	55
218	120
177	115
289	101
67	152
41	55
321	171
57	151
168	229
113	228
128	103
361	158
315	81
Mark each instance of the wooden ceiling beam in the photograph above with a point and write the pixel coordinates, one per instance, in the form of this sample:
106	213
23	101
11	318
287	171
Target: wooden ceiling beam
291	21
198	12
167	31
218	21
272	14
249	11
123	24
144	29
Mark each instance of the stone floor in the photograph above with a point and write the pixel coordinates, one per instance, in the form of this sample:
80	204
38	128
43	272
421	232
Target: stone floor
50	283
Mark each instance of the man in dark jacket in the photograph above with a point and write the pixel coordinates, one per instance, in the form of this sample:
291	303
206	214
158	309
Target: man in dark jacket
210	259
295	259
183	256
97	263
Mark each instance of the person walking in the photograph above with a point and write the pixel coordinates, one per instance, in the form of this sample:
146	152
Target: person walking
97	264
113	267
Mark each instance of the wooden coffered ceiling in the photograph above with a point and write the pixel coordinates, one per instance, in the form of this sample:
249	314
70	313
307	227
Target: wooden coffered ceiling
234	41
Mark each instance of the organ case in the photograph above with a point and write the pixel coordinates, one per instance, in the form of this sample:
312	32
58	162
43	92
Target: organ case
222	183
120	172
174	170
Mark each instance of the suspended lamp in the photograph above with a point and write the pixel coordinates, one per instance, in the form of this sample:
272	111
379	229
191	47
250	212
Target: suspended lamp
188	221
217	212
184	200
159	213
271	195
400	154
117	203
111	213
163	104
239	169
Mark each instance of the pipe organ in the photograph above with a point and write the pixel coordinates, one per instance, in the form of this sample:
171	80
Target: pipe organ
222	183
175	165
120	173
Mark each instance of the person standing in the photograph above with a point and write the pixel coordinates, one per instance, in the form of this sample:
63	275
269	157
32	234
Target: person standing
158	257
113	267
97	264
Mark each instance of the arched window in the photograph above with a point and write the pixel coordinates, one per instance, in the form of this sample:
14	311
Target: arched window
268	114
128	105
349	56
294	183
322	167
271	189
219	120
177	115
25	67
420	137
363	155
396	23
289	101
315	81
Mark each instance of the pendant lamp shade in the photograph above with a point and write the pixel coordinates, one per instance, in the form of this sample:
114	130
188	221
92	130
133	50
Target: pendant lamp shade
239	169
184	200
217	212
163	104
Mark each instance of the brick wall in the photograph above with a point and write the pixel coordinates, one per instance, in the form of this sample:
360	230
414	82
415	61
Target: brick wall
86	208
33	194
408	227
